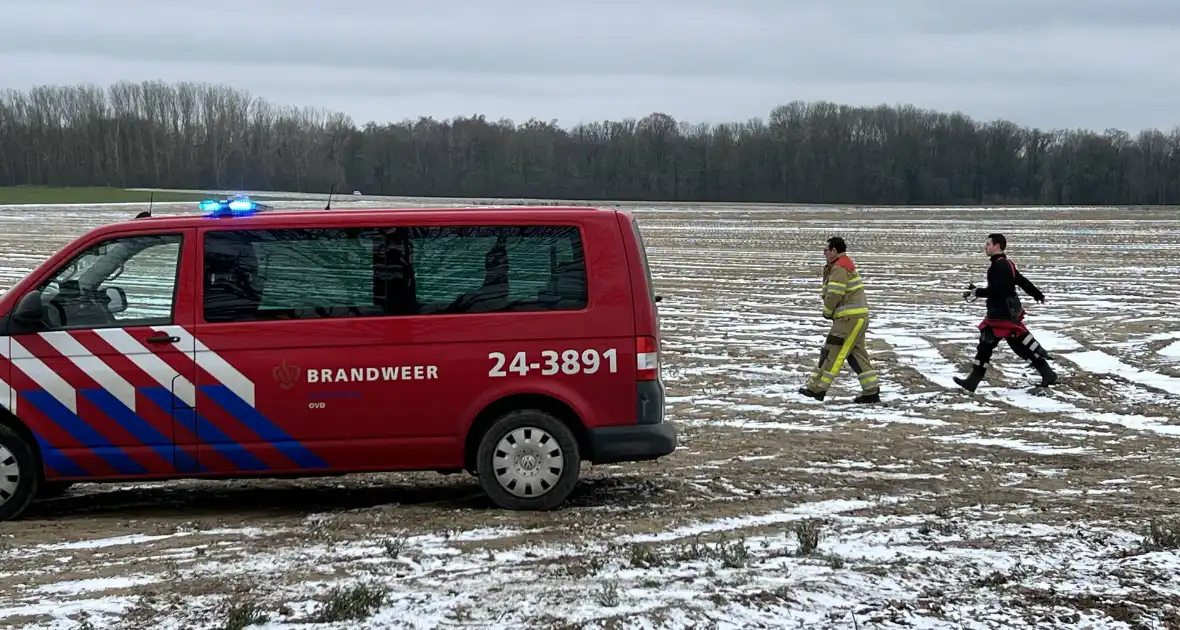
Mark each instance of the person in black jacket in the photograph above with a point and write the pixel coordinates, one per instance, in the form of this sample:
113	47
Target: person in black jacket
1005	317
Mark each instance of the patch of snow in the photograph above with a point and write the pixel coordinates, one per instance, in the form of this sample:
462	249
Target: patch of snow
923	357
76	587
800	512
1099	362
1019	445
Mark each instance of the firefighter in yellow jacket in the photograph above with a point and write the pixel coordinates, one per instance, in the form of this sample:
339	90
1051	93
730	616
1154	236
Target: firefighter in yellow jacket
845	304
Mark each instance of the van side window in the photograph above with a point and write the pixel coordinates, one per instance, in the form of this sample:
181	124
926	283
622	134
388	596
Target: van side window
253	275
119	282
497	269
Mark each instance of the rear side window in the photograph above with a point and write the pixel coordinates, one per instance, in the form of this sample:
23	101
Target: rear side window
651	287
253	275
495	269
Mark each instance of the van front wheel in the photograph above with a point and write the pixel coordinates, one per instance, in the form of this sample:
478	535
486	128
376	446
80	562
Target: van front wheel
18	474
528	460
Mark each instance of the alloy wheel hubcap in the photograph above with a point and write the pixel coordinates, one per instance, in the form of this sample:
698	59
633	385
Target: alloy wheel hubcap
528	462
9	474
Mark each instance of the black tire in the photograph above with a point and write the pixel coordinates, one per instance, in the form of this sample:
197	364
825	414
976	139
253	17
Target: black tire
548	497
17	450
53	489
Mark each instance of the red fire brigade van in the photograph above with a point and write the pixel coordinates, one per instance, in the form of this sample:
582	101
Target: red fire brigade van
512	343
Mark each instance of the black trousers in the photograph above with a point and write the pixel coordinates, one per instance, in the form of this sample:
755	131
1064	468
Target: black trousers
1024	345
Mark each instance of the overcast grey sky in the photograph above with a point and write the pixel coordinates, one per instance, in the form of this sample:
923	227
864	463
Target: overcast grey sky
1046	63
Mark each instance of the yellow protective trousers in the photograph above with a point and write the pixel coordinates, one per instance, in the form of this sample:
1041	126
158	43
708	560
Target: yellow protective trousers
845	342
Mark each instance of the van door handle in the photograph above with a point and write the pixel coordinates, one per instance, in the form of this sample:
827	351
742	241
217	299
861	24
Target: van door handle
163	339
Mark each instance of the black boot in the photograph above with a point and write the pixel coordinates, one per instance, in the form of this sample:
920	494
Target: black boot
815	395
865	399
972	380
1048	376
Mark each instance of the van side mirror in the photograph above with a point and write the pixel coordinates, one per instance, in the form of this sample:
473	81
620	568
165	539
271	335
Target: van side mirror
29	314
116	299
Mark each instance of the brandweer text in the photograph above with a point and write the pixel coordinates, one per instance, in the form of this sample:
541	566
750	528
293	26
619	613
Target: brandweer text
387	373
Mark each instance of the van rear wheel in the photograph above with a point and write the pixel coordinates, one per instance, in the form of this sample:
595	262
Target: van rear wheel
528	460
18	474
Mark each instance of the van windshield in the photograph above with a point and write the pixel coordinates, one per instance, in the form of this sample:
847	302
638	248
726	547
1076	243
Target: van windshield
95	266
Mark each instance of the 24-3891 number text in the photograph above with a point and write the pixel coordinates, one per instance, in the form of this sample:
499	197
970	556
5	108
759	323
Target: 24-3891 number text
552	362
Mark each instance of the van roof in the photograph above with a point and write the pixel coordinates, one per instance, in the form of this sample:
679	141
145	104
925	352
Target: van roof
276	217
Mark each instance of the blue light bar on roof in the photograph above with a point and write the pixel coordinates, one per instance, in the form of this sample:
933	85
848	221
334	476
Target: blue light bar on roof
239	206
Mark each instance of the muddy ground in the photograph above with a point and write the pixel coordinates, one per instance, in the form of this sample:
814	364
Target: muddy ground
1013	507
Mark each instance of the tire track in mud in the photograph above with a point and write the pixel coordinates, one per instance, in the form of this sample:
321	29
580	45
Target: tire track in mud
1096	361
924	358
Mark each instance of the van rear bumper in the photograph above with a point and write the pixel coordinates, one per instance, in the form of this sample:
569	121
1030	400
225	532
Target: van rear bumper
633	443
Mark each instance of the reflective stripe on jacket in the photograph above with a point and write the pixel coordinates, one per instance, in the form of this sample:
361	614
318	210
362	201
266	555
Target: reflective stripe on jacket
844	290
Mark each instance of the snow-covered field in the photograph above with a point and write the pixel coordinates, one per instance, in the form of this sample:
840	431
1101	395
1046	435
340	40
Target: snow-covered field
1010	508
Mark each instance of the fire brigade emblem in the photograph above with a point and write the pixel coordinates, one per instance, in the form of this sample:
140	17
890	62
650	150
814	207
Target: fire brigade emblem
286	375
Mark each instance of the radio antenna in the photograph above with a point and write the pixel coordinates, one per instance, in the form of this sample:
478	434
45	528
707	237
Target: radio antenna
330	191
151	202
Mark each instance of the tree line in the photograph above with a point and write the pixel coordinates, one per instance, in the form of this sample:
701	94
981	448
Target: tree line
188	135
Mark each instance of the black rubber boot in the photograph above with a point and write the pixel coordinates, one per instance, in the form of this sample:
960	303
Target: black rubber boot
865	399
972	380
815	395
1048	376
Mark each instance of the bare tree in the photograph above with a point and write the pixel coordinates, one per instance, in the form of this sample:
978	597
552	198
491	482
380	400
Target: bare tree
188	135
